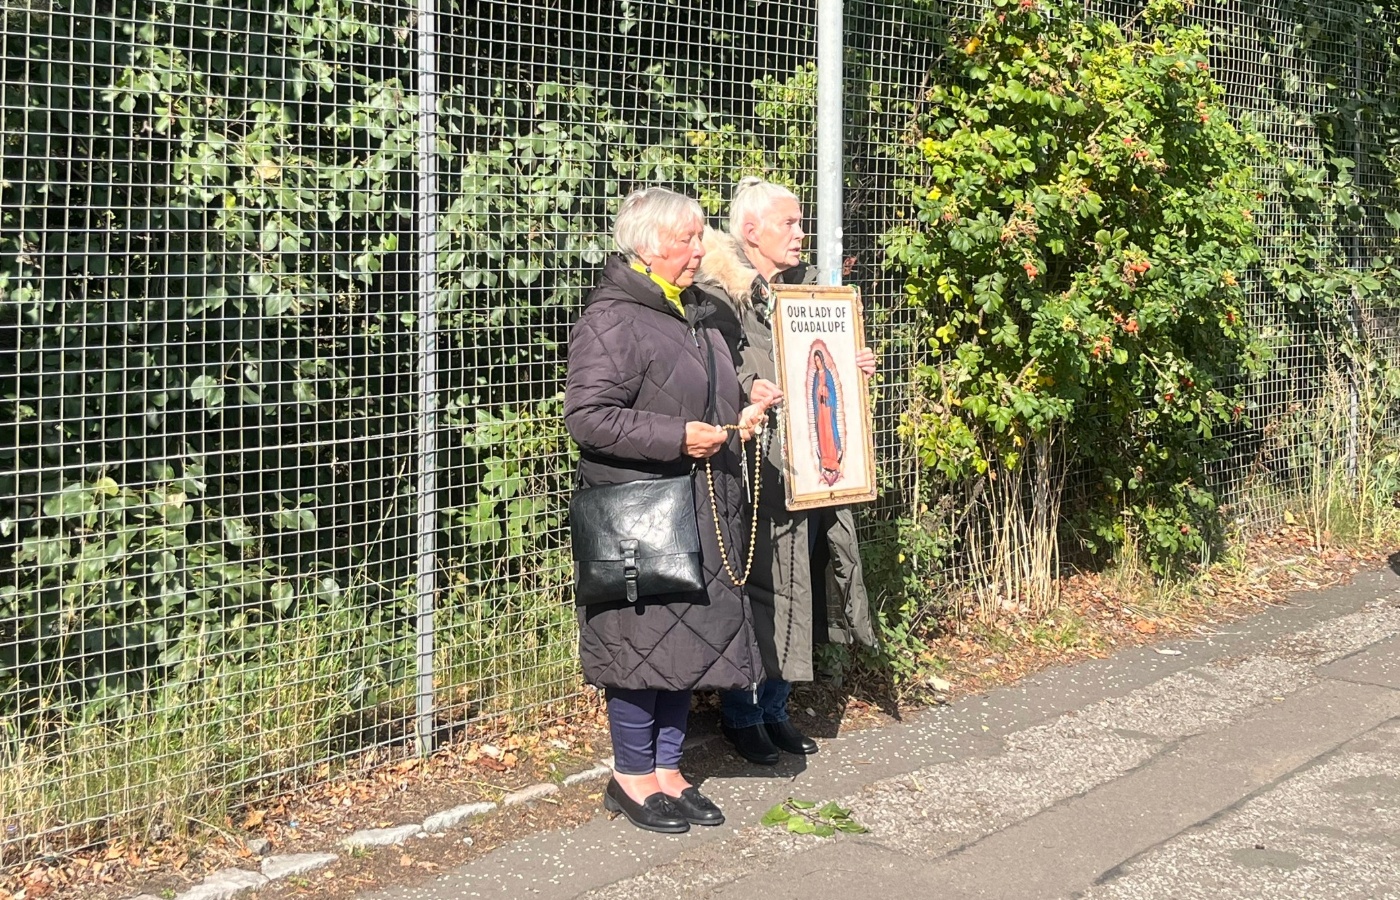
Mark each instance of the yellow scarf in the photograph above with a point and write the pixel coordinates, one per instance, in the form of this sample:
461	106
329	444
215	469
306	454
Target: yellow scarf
672	292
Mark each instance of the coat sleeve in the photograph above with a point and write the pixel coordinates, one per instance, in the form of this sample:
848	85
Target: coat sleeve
747	373
730	325
605	375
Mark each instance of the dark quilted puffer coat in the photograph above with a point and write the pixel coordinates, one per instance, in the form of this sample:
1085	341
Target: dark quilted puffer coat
637	375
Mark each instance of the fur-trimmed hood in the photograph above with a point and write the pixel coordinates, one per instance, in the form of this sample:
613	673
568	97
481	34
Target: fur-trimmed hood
726	272
726	269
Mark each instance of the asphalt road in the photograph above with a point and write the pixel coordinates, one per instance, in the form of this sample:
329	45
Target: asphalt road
1260	762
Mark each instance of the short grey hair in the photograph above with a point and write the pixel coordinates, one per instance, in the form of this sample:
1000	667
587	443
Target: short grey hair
752	198
648	214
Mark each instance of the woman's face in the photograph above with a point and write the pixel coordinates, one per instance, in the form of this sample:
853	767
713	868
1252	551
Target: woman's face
678	253
775	240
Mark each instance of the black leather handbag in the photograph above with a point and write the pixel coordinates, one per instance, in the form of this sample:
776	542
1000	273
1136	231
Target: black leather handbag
640	538
634	540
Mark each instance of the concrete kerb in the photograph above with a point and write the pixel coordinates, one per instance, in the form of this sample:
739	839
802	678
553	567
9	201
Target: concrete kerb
226	884
275	867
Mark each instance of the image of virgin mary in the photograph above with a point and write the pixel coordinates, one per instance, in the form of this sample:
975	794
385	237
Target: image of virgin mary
825	414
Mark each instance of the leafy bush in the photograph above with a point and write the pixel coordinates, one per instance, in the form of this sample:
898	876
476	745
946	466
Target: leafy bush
1081	214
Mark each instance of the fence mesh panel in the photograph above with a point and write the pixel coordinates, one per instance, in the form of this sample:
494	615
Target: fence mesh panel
214	256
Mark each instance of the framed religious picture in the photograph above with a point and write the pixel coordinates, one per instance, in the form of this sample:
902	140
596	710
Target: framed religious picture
828	438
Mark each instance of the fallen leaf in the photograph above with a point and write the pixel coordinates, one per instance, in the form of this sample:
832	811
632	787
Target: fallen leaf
254	818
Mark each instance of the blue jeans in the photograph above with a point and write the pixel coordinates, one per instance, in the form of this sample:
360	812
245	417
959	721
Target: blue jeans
738	710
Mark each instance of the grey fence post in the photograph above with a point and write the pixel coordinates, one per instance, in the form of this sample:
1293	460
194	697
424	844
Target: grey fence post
427	372
830	133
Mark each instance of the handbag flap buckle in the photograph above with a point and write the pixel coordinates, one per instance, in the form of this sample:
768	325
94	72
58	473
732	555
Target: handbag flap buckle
629	567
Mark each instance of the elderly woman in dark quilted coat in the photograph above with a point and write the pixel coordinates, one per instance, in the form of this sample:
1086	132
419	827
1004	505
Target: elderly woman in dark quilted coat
636	402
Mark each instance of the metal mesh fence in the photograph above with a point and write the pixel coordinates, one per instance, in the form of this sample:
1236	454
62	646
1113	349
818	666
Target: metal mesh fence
286	287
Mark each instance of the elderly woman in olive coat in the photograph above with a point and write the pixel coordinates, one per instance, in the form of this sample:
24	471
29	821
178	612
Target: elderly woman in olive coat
637	403
807	587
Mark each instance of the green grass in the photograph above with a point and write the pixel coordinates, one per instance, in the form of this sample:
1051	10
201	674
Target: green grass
503	648
224	729
1344	460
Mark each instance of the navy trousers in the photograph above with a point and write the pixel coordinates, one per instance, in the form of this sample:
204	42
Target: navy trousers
648	728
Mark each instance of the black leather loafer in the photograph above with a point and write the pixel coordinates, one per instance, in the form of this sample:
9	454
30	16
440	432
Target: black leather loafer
753	744
787	738
698	809
656	813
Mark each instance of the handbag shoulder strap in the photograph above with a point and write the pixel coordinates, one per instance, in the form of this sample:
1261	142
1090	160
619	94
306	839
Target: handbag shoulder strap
711	412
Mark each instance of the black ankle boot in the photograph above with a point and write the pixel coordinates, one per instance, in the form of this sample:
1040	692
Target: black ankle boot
753	744
786	737
656	813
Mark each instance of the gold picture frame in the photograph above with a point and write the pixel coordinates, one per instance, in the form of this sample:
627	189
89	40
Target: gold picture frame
827	427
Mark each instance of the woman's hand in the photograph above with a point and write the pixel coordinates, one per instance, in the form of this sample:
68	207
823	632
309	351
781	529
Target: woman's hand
703	440
765	392
752	419
865	361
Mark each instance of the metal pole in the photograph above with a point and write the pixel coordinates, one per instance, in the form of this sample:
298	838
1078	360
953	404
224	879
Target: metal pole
830	129
427	372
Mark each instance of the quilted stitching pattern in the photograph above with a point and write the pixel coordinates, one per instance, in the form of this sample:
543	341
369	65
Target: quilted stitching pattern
635	379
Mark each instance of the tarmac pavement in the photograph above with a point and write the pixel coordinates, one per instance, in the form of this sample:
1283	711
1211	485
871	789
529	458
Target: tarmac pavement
1262	761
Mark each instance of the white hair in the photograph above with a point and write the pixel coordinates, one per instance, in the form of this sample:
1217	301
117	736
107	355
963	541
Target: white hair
753	197
647	215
